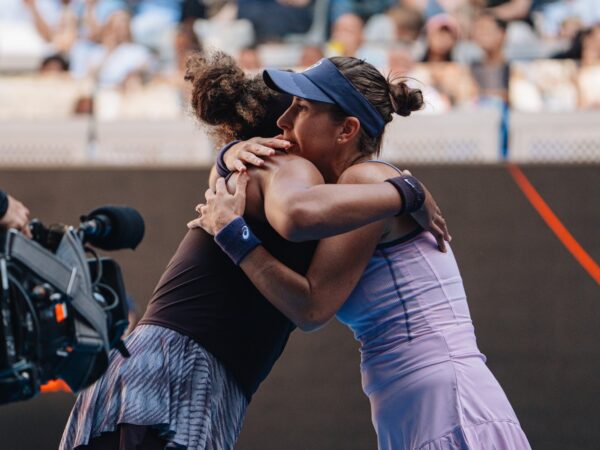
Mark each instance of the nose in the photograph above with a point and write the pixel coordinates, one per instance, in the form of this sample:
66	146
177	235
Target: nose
284	122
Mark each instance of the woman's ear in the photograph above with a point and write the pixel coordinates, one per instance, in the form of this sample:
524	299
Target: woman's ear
350	129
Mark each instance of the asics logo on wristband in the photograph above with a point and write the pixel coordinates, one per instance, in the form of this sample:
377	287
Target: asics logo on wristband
237	240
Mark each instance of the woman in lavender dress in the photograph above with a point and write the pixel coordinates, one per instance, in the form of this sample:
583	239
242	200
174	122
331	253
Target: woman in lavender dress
427	381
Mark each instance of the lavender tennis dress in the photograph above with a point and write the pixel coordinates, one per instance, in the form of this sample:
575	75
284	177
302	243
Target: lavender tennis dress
427	381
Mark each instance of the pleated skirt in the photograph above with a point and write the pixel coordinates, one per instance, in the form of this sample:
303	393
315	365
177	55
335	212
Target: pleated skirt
453	405
169	383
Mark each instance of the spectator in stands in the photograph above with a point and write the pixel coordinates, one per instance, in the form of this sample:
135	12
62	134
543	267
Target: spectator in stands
591	47
408	23
273	19
544	85
20	10
442	33
585	47
185	43
117	58
492	72
399	24
451	82
347	39
62	22
564	17
400	60
346	35
569	28
310	55
589	73
522	10
509	9
63	34
152	20
54	64
192	10
362	8
456	8
462	11
249	59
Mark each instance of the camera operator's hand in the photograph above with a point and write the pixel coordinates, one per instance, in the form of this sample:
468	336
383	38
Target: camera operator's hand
16	216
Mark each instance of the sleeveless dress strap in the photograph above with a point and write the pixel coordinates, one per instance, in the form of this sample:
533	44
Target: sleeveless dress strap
386	163
408	236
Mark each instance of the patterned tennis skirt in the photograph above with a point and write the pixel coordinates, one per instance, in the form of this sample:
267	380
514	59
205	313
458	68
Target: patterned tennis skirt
169	383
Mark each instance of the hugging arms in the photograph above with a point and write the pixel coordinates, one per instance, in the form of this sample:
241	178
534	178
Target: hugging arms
301	207
288	192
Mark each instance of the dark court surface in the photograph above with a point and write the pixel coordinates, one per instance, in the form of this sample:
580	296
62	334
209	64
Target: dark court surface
536	311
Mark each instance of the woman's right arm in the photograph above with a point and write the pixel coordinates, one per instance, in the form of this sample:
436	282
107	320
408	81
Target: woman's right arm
234	158
315	210
301	208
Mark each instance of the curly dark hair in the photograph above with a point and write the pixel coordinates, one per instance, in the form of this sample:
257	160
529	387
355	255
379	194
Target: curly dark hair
237	106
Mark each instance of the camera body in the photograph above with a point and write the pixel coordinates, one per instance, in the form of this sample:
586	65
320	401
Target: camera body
61	312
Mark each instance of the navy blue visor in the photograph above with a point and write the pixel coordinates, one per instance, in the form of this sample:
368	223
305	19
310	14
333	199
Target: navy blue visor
323	82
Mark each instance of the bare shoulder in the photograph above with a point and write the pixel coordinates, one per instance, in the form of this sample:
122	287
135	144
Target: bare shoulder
367	172
275	175
293	166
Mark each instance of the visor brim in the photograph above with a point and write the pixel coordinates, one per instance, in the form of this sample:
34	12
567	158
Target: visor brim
295	84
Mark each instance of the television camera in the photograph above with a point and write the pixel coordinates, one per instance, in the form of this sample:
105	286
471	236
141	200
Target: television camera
62	306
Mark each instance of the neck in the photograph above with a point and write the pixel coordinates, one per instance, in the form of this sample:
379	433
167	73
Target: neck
436	57
588	57
494	57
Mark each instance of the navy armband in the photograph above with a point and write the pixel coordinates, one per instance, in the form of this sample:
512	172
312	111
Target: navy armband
237	240
3	204
222	169
411	191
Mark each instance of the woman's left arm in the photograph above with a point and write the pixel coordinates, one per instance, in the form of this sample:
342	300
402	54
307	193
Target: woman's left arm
310	301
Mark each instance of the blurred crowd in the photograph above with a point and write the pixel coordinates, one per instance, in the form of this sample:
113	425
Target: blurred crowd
127	57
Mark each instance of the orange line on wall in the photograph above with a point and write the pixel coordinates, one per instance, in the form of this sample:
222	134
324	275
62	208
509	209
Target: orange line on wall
55	386
554	223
